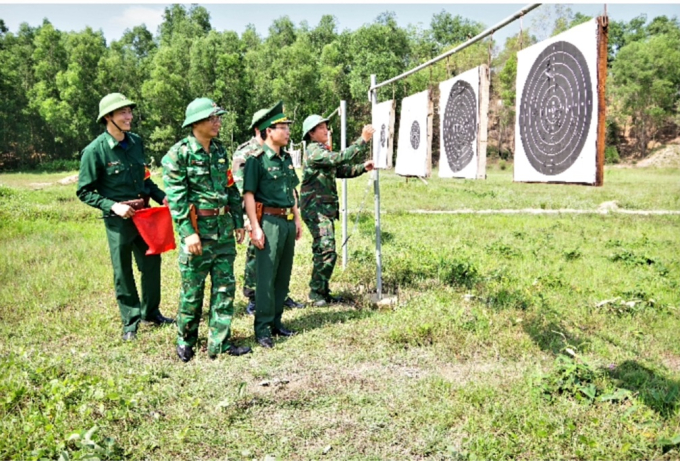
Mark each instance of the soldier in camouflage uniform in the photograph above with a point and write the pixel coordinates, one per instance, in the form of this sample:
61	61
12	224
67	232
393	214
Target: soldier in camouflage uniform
319	197
114	178
196	172
242	153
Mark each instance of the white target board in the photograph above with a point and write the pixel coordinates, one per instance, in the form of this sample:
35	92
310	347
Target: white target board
383	122
557	108
414	154
463	122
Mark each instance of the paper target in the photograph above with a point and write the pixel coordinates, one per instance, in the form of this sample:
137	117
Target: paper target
383	122
556	108
459	122
463	107
415	135
414	156
557	100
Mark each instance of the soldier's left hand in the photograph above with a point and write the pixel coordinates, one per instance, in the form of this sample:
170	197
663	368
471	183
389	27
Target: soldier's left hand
298	229
369	165
240	235
165	202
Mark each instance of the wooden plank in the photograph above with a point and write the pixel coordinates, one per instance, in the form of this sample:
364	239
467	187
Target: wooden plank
483	117
602	37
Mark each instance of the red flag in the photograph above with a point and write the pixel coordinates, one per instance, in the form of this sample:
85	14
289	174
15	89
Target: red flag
155	227
147	173
230	178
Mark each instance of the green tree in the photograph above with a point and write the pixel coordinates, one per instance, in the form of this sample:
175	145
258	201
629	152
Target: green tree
645	82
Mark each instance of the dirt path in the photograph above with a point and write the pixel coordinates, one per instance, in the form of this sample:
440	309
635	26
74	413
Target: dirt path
602	211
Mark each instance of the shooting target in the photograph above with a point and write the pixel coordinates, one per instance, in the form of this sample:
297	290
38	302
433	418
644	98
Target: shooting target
459	122
556	108
383	117
463	107
415	135
413	150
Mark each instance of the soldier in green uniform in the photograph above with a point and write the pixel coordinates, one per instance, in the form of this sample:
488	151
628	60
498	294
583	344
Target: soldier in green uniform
242	153
269	182
319	197
200	186
114	178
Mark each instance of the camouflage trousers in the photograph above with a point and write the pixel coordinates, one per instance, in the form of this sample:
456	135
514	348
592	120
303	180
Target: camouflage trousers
250	275
324	256
218	261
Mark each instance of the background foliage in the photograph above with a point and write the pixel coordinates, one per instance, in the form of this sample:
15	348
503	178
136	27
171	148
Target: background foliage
51	81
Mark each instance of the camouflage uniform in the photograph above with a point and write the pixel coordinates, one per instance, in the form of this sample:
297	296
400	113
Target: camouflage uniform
242	153
192	176
319	205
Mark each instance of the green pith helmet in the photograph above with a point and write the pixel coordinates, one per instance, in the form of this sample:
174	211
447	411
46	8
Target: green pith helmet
273	116
311	122
111	102
200	109
257	118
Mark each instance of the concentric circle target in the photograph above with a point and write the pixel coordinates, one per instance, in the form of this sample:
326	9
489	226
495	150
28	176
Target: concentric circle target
459	129
415	135
556	108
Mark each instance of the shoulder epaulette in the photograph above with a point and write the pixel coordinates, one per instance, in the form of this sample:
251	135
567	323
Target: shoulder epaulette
257	152
242	146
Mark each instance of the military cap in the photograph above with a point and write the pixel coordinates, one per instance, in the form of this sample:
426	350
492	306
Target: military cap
200	109
312	122
111	102
273	116
257	118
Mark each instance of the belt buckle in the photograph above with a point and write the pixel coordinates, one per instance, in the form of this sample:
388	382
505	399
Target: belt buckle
289	215
221	211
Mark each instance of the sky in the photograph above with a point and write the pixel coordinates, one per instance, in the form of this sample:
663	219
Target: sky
113	19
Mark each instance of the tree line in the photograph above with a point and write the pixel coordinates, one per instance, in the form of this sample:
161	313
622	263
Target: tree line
51	81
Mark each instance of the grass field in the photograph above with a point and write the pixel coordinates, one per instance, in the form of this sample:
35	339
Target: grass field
514	336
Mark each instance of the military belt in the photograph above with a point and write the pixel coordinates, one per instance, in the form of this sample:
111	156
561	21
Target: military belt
279	212
213	212
137	204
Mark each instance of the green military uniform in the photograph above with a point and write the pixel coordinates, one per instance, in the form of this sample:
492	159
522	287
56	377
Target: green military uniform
272	180
319	205
194	176
242	153
112	172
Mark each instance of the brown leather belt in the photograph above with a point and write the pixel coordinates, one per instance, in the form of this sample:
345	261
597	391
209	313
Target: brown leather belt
136	204
279	212
213	212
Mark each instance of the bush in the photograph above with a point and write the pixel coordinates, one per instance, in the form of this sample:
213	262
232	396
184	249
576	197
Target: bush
611	155
55	166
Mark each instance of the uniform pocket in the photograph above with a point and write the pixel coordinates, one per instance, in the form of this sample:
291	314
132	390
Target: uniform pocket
196	171
114	170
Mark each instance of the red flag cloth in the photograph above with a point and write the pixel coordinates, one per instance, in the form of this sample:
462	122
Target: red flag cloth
155	227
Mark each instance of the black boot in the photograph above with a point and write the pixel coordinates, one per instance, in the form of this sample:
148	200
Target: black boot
185	353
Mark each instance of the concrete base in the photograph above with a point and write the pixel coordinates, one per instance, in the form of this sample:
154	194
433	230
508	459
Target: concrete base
385	302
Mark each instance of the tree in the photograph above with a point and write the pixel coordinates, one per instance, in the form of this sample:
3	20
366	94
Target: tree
646	78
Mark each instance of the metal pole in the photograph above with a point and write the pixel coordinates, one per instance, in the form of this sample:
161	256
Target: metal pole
475	39
343	146
376	190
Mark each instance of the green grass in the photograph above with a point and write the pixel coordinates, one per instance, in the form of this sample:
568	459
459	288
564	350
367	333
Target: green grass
500	346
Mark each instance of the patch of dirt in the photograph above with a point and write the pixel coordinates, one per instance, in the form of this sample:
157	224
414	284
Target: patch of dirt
668	157
69	180
39	185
